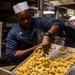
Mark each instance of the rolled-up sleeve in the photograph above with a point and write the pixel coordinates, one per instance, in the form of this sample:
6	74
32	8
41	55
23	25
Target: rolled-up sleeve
11	45
58	22
46	23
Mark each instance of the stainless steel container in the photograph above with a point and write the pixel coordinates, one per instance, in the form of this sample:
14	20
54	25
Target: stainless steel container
53	53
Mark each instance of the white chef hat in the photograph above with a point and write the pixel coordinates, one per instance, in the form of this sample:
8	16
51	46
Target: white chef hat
71	18
20	7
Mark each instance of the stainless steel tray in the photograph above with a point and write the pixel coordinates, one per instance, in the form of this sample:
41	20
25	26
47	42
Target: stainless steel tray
53	53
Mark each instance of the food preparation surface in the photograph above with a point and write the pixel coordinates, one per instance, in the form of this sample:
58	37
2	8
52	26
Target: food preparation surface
58	55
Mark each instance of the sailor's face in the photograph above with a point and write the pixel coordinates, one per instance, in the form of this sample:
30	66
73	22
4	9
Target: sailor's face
24	18
72	22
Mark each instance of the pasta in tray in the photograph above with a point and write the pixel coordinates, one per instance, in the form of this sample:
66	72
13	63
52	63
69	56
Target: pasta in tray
65	50
38	65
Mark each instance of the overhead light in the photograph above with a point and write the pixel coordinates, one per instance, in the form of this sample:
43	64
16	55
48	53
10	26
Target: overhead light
48	12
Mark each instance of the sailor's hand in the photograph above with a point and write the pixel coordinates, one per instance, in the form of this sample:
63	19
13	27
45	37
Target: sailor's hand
46	43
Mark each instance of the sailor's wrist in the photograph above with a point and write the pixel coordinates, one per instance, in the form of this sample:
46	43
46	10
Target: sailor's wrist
48	34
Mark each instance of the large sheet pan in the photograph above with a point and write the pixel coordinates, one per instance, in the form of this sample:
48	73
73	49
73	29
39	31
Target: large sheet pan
53	53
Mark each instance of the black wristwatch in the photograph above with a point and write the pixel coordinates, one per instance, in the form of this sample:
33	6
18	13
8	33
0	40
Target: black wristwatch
48	34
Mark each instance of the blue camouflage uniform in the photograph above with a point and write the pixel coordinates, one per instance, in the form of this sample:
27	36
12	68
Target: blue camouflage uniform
19	39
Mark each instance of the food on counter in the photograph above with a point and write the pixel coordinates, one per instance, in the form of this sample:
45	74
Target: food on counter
38	65
65	50
53	47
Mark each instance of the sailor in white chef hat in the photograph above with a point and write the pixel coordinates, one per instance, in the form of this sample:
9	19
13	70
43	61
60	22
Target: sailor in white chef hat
23	13
29	31
72	20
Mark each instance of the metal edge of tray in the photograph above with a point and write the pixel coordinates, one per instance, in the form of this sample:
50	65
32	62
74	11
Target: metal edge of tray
63	46
22	62
3	71
70	69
